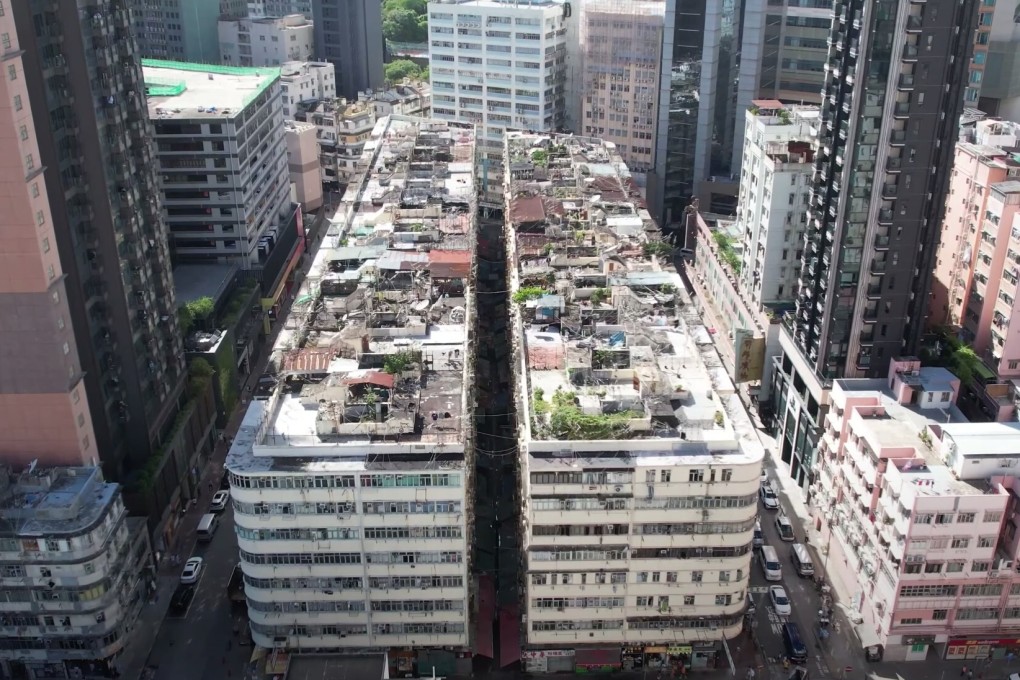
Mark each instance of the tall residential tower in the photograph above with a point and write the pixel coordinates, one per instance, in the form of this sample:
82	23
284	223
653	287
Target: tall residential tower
893	95
82	80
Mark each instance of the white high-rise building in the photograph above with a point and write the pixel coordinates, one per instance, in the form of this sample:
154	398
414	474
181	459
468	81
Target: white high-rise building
267	41
499	65
222	157
640	467
352	480
306	81
775	182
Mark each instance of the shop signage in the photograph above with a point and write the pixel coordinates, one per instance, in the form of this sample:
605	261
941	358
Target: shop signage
982	641
546	653
655	650
681	649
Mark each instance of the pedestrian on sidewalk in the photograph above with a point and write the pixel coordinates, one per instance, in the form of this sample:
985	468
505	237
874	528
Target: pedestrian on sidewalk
963	672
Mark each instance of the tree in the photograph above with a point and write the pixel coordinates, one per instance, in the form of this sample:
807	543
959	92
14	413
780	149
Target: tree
404	26
401	68
196	311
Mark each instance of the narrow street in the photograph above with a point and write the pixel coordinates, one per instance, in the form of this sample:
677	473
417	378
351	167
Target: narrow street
201	645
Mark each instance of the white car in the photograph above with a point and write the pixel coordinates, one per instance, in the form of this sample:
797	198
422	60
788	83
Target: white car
780	602
769	498
192	570
219	501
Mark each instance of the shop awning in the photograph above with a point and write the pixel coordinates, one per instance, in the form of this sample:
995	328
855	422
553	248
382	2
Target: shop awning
486	614
597	657
509	636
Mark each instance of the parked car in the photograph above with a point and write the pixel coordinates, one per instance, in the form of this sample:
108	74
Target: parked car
181	600
780	602
769	498
220	500
192	571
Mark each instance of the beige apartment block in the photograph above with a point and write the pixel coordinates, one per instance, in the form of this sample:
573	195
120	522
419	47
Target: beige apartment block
621	46
303	164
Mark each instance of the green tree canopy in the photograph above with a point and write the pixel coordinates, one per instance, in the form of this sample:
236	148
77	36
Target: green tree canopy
396	71
405	21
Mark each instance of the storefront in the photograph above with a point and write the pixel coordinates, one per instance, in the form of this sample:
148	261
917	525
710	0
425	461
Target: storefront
633	658
982	648
548	661
656	658
604	660
704	655
401	663
916	647
680	656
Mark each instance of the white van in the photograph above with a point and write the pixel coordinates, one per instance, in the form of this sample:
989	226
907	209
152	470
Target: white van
207	527
759	538
801	559
770	564
785	529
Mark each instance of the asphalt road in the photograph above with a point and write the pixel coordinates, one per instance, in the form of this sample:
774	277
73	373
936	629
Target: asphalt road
201	645
826	660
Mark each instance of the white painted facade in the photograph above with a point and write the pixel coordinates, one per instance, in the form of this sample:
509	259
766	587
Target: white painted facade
352	482
640	467
387	564
269	41
302	81
74	570
498	65
772	202
222	157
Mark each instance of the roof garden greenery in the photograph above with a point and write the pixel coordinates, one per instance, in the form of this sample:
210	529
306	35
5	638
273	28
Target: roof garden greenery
562	418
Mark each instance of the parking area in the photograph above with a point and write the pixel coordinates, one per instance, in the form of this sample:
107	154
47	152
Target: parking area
805	602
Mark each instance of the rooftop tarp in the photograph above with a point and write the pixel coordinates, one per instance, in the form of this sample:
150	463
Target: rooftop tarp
369	378
450	264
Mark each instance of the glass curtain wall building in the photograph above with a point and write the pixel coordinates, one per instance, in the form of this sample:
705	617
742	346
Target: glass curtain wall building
709	72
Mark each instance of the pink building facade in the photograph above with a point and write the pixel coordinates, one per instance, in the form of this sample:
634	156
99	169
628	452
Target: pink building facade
44	411
978	261
917	510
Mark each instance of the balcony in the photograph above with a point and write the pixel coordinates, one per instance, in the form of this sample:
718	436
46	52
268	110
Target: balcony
914	24
881	242
877	266
889	191
901	110
870	314
910	53
906	82
885	216
893	164
874	291
867	338
898	137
